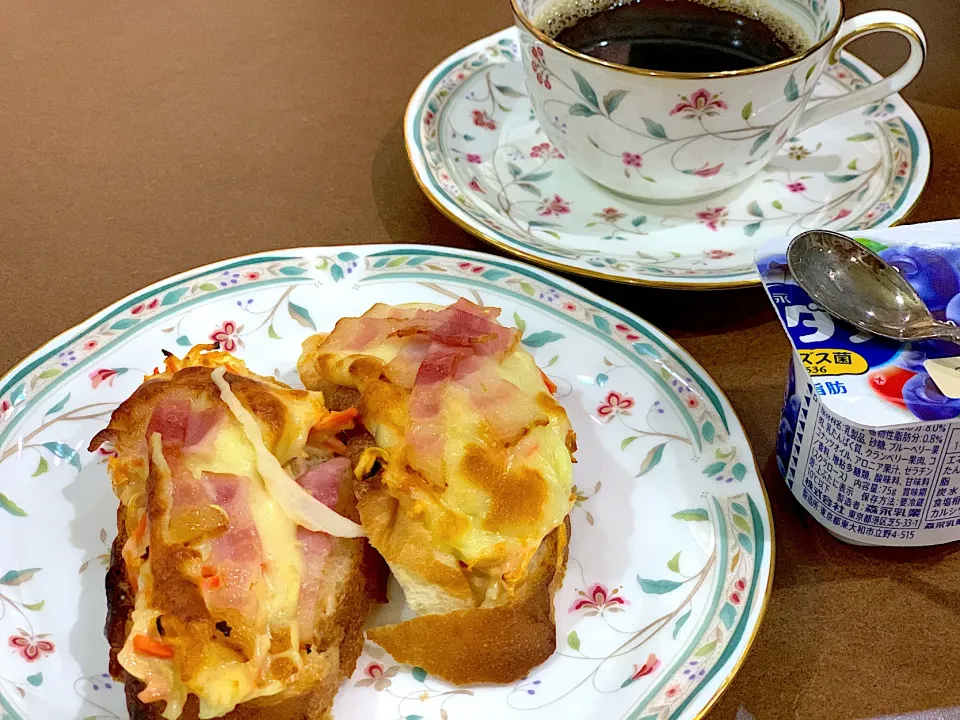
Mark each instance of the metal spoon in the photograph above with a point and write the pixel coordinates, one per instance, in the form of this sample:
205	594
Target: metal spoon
857	285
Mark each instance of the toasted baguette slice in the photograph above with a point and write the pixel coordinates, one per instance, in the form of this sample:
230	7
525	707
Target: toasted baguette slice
164	552
466	489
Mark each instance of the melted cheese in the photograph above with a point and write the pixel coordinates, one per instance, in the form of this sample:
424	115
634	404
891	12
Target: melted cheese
299	505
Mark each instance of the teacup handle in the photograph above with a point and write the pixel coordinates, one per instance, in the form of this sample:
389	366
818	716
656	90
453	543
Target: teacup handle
859	26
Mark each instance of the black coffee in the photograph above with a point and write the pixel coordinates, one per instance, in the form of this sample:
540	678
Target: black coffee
673	35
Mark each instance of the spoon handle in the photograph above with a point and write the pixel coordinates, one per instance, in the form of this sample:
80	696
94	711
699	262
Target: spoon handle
948	332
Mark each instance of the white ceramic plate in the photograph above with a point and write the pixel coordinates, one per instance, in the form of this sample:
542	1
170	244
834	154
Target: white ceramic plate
671	555
480	156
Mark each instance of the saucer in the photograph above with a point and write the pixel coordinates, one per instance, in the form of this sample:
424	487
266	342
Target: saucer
479	154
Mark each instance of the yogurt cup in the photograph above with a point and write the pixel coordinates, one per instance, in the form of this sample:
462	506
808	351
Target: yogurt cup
867	442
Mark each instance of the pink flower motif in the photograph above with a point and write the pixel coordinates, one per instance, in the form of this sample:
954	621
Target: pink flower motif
796	187
596	600
610	215
614	404
102	375
428	118
228	335
5	407
699	103
377	675
902	168
640	671
137	309
840	215
692	401
717	254
569	307
672	691
545	150
475	186
537	53
474	158
481	119
89	344
707	171
713	218
633	159
557	206
31	647
252	275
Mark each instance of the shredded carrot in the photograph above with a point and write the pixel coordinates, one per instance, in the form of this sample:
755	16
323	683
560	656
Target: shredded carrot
336	445
146	645
337	420
551	385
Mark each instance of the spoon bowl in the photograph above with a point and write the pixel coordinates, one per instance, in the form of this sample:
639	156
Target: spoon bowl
855	284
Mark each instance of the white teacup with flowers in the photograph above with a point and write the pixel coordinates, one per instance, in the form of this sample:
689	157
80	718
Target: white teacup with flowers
673	137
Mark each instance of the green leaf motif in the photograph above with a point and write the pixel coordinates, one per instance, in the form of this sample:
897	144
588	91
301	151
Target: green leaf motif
508	91
530	188
292	270
657	587
494	274
692	515
758	143
728	615
841	178
708	432
652	459
706	649
738	508
59	406
655	129
713	468
35	680
519	323
602	323
172	297
585	89
646	349
681	621
347	257
10	506
183	341
301	315
739	471
741	523
810	72
208	287
36	607
745	542
674	563
42	467
790	91
124	324
271	333
852	165
581	110
18	577
52	372
611	101
536	177
625	443
862	137
751	229
639	220
65	452
573	640
528	288
413	717
542	338
777	205
336	272
747	111
419	674
19	395
396	262
754	209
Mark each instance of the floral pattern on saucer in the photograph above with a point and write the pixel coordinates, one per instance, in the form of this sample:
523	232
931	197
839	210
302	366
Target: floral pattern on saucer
480	155
665	476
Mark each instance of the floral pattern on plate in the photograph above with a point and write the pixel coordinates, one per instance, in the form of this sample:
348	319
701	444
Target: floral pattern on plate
665	472
480	155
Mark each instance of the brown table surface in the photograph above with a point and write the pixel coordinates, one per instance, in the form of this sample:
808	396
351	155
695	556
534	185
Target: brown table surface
140	139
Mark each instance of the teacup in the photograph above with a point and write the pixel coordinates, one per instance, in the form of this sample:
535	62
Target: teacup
678	136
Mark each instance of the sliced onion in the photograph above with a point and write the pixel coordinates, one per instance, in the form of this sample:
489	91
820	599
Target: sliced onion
298	505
